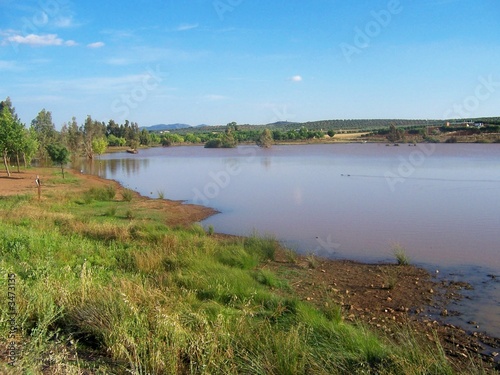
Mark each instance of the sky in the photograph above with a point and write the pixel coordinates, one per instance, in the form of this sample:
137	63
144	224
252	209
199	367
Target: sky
250	61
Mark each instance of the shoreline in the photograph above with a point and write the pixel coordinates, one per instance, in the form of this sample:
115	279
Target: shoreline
383	296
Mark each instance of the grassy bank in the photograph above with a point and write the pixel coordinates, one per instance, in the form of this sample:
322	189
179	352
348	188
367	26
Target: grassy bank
102	286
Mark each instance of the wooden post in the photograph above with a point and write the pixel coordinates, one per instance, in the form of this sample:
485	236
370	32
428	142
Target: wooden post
39	186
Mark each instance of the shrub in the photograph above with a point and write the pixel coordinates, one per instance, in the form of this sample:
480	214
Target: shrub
127	195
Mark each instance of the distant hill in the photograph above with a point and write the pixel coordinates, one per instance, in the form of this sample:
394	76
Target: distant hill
160	127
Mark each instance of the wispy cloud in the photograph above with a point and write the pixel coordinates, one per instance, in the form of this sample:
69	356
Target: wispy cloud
187	26
119	61
8	65
96	45
215	97
296	78
64	22
88	85
35	40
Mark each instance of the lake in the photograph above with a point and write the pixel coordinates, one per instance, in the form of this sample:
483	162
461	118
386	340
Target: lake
346	201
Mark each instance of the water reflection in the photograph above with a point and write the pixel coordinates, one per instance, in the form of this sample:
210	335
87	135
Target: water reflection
110	168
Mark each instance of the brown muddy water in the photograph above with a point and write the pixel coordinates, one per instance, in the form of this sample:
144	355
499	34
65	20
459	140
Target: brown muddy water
347	201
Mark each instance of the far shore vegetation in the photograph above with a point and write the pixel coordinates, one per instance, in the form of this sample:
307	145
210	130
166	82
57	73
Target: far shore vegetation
20	144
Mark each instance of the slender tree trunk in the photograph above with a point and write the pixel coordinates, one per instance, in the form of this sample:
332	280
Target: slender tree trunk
62	170
5	162
17	159
24	159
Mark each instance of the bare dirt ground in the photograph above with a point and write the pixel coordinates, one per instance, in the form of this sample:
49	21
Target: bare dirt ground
386	297
391	299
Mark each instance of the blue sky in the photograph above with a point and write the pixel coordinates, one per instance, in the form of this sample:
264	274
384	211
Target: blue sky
250	61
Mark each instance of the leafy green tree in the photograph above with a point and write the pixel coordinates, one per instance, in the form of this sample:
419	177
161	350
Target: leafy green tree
169	139
30	146
99	146
116	141
59	154
45	131
132	134
74	138
7	135
155	138
144	137
90	130
265	140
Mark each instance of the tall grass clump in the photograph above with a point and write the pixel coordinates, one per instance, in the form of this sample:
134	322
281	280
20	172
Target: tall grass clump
100	194
400	254
264	246
127	195
161	194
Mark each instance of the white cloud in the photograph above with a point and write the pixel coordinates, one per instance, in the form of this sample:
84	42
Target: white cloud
96	45
40	40
296	78
187	26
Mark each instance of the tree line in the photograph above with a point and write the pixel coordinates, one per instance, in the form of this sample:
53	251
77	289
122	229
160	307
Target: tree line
20	144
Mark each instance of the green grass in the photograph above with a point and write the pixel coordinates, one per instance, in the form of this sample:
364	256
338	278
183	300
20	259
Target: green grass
103	288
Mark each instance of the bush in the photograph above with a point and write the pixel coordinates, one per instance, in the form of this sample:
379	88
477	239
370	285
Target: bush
127	195
100	194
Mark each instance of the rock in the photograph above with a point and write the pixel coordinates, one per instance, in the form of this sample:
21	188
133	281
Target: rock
444	312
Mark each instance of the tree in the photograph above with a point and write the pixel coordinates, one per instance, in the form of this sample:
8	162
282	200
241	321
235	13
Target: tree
45	131
13	133
59	155
7	135
30	146
91	130
99	146
116	141
74	138
394	134
144	137
265	140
